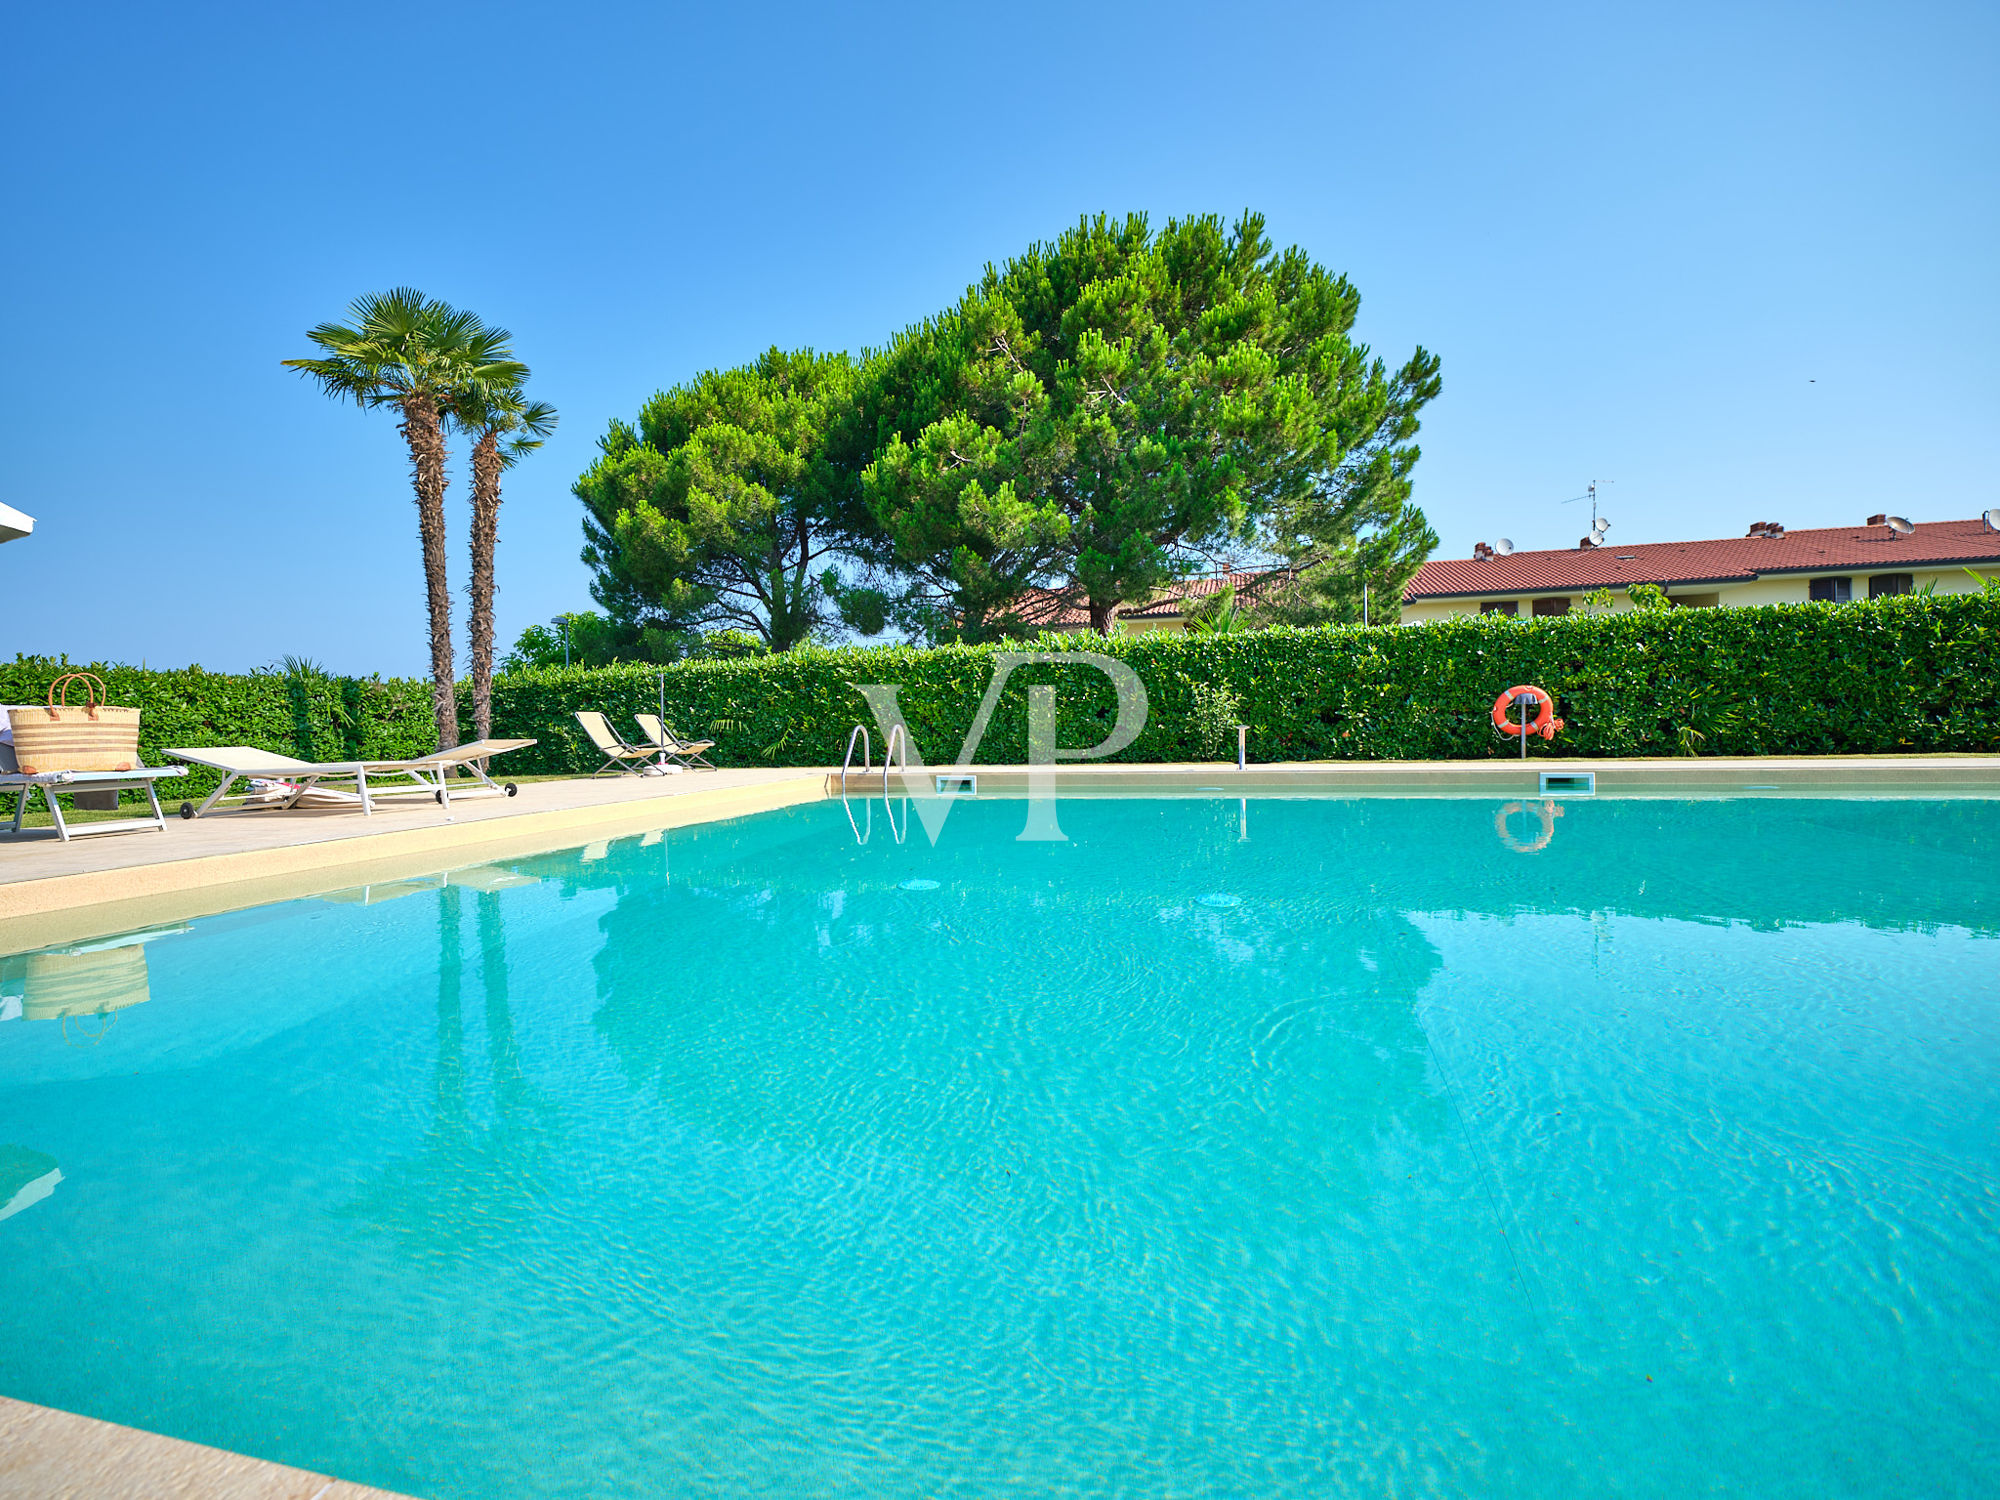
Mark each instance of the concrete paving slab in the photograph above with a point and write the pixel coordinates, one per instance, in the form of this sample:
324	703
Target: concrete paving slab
57	1455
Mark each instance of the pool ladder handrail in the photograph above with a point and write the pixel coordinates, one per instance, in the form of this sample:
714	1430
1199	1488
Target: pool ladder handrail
898	740
859	731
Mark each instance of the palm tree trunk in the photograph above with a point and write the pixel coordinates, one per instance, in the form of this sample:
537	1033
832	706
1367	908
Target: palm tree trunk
424	432
485	534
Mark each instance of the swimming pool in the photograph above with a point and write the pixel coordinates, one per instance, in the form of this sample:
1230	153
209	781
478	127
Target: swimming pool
1279	1148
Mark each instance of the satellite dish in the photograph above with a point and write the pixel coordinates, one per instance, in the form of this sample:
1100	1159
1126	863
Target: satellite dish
1505	546
1992	519
1600	525
1900	526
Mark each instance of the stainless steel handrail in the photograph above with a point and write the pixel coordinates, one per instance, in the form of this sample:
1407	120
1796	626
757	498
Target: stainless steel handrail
868	810
867	756
898	738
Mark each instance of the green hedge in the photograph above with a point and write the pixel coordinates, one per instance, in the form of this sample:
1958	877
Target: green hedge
1908	674
312	718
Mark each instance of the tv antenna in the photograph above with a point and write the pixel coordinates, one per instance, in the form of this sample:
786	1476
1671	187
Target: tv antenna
1597	528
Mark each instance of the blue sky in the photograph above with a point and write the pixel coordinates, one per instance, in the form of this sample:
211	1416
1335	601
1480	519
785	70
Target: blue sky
1738	259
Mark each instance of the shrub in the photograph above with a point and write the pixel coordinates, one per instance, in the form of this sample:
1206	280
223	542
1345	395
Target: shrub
303	712
1905	674
1908	674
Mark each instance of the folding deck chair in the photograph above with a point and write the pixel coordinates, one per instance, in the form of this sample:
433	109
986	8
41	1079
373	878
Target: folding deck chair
664	741
626	760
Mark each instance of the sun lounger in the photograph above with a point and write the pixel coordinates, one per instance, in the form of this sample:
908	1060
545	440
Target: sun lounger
626	760
665	741
52	784
292	783
248	763
434	770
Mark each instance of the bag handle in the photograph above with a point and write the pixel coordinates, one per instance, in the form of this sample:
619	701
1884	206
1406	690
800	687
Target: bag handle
92	699
89	1038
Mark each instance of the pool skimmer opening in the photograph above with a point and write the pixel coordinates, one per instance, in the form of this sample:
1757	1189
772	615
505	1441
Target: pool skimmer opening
1568	784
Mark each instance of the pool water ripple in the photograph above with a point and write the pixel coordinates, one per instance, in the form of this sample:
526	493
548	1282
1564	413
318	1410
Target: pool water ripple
1360	1154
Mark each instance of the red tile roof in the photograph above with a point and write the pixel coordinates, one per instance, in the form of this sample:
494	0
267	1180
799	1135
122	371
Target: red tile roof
1055	609
1833	549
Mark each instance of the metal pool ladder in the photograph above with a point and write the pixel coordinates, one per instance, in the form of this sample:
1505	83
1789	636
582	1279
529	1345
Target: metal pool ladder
895	752
860	732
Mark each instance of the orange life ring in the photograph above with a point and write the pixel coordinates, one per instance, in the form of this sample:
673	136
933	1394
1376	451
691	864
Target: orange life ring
1545	723
1548	810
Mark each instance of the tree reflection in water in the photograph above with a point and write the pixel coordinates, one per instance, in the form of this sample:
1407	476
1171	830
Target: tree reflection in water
1109	1066
469	1187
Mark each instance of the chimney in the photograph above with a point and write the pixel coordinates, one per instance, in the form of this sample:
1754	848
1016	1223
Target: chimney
1878	520
1585	543
1757	527
1481	552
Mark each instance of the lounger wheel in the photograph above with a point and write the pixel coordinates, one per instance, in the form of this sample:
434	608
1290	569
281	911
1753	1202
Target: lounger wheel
438	797
512	790
187	809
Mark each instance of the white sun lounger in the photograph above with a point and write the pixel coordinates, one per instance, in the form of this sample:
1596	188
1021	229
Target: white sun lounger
52	784
433	771
299	780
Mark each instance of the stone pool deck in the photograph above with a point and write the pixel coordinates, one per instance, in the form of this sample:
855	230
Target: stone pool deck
55	1455
51	892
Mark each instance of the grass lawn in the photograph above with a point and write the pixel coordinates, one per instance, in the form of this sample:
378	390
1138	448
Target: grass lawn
133	804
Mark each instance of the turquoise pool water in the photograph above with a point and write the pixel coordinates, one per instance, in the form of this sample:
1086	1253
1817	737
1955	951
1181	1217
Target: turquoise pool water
1287	1148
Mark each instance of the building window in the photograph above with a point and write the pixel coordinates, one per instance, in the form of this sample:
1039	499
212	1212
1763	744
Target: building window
1830	590
1499	607
1551	606
1888	583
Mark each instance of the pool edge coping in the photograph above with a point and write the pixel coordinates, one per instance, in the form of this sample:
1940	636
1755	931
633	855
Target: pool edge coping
45	1451
1975	775
77	906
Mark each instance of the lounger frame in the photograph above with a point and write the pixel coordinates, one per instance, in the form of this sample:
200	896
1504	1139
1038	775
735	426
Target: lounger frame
626	760
52	784
661	737
430	773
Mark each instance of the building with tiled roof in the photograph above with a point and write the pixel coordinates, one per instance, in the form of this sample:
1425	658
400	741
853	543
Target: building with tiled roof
1058	609
1769	566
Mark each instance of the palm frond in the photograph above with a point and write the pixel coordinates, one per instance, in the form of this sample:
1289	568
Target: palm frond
400	344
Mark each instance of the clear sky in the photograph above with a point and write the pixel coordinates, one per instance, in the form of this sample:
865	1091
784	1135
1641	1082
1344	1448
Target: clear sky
1741	260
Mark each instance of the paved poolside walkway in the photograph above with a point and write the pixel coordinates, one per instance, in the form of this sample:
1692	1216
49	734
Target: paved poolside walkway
323	848
56	1455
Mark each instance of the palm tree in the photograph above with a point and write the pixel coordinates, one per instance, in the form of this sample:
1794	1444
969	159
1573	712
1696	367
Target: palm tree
510	427
1218	614
418	355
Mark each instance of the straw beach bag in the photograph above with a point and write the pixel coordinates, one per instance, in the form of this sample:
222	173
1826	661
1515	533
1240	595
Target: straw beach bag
92	736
